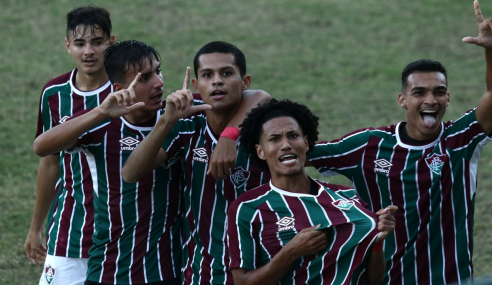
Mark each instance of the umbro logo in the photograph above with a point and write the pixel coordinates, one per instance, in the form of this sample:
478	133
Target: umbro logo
286	223
382	166
64	119
200	154
129	143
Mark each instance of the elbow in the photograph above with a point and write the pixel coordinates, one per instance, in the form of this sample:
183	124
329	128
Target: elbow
38	148
127	176
264	96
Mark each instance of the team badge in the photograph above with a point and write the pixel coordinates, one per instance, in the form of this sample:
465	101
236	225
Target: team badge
64	119
239	176
129	143
49	274
435	162
343	204
286	223
200	154
382	166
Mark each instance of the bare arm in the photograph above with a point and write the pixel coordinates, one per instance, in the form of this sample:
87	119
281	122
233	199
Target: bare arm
223	158
307	242
48	172
149	154
484	39
376	264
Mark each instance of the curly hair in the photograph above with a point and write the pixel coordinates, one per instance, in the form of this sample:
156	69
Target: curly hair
252	126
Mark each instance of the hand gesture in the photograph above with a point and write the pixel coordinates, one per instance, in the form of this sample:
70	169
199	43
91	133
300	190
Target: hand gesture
121	102
35	250
223	159
307	242
180	103
484	38
386	224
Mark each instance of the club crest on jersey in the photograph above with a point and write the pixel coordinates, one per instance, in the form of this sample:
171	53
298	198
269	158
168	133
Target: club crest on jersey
435	162
49	274
64	119
239	176
343	204
286	223
129	143
200	154
382	166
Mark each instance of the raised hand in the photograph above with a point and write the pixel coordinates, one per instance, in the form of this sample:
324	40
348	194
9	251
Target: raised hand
121	102
386	224
180	103
484	38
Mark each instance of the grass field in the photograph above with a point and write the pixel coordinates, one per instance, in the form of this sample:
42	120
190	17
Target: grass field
341	58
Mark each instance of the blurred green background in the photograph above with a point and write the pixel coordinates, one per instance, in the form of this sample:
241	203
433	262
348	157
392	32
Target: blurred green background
343	59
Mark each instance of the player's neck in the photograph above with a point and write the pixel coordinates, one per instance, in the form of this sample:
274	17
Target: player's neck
89	82
217	122
298	183
139	118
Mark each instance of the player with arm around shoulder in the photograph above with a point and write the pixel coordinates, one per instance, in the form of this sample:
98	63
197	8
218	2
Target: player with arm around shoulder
294	228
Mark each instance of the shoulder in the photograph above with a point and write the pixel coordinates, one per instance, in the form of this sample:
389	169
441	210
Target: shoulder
251	195
57	81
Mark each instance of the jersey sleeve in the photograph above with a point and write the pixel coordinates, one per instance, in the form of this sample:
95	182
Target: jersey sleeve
338	156
93	136
240	230
45	120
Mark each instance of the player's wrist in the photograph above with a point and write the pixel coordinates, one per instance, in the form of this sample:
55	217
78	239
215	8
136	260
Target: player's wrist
377	246
230	133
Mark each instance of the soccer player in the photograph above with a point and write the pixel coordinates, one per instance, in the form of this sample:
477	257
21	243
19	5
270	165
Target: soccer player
137	237
296	229
69	235
220	70
426	167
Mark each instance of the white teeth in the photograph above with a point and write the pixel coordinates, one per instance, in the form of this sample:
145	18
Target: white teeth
429	111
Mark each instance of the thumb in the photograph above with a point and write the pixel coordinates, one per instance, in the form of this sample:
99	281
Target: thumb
135	106
470	40
200	108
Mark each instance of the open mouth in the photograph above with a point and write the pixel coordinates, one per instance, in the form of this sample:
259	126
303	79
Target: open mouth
429	117
288	158
217	93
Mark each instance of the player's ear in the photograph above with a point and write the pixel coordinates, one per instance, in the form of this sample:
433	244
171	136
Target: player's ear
306	142
259	151
67	46
194	82
111	39
118	86
246	82
402	100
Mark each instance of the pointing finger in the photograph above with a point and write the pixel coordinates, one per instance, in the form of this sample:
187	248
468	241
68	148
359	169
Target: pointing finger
478	12
134	82
186	82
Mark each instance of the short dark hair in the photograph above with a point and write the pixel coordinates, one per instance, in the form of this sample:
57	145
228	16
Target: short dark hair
252	126
421	65
120	56
221	47
91	17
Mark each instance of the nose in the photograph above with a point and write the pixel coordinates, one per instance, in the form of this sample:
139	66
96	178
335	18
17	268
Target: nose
158	81
217	80
88	49
430	99
285	145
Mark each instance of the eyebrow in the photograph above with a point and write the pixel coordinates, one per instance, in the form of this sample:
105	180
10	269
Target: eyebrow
204	70
92	40
150	71
424	88
288	133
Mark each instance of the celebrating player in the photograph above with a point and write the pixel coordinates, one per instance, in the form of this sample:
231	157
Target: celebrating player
220	69
70	227
426	167
296	229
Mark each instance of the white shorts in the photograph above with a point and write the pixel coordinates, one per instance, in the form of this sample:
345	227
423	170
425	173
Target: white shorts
60	270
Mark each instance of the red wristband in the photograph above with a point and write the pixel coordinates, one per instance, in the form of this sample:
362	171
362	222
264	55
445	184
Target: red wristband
231	133
377	246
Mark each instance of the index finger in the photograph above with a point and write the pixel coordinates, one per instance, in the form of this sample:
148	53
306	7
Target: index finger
478	12
186	82
134	82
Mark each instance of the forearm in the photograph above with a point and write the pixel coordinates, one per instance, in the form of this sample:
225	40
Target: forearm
145	157
47	176
375	267
270	273
65	136
250	100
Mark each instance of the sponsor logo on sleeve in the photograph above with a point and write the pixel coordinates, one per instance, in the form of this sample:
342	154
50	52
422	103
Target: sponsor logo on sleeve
129	143
435	162
382	166
286	223
239	176
200	154
343	204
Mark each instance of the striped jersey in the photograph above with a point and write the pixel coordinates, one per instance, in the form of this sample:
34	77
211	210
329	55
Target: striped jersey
433	186
137	225
71	222
206	201
264	219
